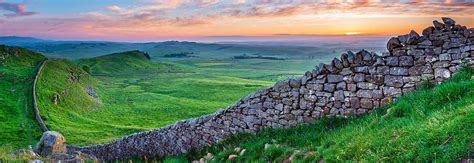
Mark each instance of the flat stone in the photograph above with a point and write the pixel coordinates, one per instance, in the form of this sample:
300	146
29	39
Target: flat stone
366	103
445	57
361	69
393	81
335	78
351	87
366	85
399	71
355	102
339	95
416	52
406	61
341	86
392	91
364	93
391	61
383	70
329	87
442	73
359	77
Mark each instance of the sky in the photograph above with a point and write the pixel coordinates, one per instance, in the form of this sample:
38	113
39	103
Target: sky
157	20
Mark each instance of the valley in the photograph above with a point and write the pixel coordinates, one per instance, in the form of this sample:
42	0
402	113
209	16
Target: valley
139	91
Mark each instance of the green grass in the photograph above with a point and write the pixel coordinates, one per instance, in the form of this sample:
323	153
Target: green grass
430	124
18	127
143	95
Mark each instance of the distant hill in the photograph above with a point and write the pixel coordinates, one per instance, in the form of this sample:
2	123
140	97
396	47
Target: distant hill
19	41
119	63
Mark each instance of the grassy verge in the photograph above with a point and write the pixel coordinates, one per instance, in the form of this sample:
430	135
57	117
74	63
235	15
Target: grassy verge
430	124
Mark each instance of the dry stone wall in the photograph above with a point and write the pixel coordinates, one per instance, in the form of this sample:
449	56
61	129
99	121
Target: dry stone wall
354	84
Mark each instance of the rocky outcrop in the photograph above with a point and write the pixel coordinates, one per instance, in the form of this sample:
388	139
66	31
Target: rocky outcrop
51	142
354	84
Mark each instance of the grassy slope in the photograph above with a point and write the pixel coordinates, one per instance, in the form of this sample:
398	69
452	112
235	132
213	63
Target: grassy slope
136	94
430	124
18	127
119	63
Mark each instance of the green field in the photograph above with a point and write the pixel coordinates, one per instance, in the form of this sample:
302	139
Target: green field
17	124
137	93
96	100
430	124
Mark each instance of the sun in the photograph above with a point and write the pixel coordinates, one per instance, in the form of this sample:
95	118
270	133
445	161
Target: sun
352	33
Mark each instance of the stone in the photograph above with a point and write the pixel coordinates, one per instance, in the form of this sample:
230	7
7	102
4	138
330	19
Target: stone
393	43
366	103
393	81
359	77
415	70
25	152
413	38
399	71
329	87
295	83
392	91
355	102
406	61
448	21
416	52
383	70
391	61
351	87
316	87
379	62
366	56
335	78
442	73
365	85
445	57
279	107
341	86
339	95
361	69
281	86
364	93
337	63
438	25
375	79
350	57
428	31
51	142
345	61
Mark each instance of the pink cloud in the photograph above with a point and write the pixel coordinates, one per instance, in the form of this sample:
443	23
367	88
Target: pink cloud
15	9
114	8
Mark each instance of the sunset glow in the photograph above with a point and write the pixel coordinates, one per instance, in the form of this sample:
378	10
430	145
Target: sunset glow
152	20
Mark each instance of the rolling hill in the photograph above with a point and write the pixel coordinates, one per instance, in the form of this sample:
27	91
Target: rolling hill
134	92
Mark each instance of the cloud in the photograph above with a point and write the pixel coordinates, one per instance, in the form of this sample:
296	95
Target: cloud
114	8
256	12
15	9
